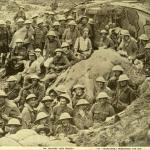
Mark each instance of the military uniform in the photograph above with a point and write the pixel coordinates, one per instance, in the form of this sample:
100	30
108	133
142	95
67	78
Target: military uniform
39	37
99	112
58	110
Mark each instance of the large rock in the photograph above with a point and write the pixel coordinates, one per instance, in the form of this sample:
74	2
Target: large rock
99	64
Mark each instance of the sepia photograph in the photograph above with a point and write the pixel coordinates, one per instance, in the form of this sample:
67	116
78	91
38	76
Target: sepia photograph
75	74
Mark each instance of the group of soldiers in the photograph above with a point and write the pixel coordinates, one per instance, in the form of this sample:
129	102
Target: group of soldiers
50	46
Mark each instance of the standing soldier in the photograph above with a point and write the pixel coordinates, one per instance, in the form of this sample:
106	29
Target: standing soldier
9	30
51	44
64	99
117	71
62	21
71	34
124	94
56	29
82	119
13	88
102	108
4	42
28	112
128	44
19	24
34	21
65	128
40	35
78	92
20	14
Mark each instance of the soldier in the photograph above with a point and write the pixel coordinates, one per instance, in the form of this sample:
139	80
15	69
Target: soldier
78	92
83	46
102	108
124	94
9	30
65	127
82	119
31	67
34	88
105	41
102	87
58	64
71	34
62	21
40	35
64	99
13	88
117	71
13	126
6	108
29	35
69	19
68	52
47	20
41	119
143	40
51	44
56	29
128	44
34	21
20	14
145	56
19	49
19	24
39	56
28	112
42	130
4	42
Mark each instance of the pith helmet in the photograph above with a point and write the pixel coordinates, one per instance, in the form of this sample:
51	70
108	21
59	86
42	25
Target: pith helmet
82	102
56	24
144	37
117	68
64	44
14	121
147	46
125	32
64	116
2	94
100	79
41	115
20	20
11	79
51	33
123	77
102	95
78	86
30	96
19	41
72	23
47	98
66	96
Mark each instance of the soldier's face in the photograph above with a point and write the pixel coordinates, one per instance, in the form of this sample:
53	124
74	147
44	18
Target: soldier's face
53	95
100	84
43	121
12	83
32	57
84	21
126	37
83	107
63	101
123	83
38	54
71	27
65	122
79	91
48	104
2	101
42	133
13	129
104	35
28	26
117	73
19	44
32	102
34	81
58	54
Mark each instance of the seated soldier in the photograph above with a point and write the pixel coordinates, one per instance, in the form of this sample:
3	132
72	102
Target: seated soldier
6	108
124	95
64	99
34	88
83	46
58	64
65	128
68	52
102	108
13	126
82	119
78	92
13	88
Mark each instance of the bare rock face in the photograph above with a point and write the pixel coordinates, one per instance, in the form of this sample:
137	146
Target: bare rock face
99	64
